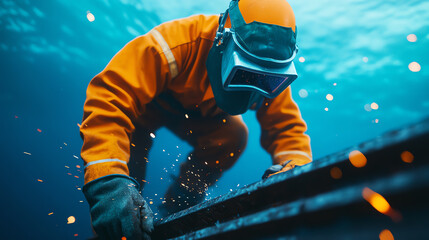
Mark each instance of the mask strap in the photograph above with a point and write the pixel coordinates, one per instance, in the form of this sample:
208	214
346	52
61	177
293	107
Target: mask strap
237	19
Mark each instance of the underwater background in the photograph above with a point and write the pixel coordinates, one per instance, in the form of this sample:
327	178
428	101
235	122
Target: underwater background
363	70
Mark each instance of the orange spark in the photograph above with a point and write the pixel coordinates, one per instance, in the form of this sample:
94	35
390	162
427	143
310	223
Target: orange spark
217	162
132	144
77	166
407	157
49	214
39	180
386	235
39	130
76	176
231	154
71	220
357	159
378	202
336	173
76	235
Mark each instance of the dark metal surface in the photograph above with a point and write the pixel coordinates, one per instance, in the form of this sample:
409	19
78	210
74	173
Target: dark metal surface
298	193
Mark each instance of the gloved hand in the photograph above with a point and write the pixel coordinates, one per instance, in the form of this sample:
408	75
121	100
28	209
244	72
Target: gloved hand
275	169
118	209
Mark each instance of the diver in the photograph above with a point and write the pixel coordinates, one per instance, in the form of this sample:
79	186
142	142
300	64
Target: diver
194	76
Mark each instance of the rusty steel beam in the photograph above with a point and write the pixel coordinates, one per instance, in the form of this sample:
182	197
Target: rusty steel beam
307	182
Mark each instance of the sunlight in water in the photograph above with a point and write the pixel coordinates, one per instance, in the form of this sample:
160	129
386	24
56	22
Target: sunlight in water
412	38
303	93
414	67
90	16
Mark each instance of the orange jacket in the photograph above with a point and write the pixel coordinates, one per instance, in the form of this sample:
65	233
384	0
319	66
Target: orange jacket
171	58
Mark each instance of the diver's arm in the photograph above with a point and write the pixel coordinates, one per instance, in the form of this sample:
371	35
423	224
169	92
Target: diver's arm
283	131
115	98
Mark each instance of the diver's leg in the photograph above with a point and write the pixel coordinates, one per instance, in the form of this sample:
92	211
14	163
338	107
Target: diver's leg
218	142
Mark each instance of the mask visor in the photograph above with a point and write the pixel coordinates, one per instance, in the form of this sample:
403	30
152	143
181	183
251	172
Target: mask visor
243	71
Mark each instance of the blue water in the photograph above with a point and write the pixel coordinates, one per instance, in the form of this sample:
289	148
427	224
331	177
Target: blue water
355	50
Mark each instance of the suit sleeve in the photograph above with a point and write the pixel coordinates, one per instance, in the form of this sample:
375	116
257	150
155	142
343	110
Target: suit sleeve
115	98
283	130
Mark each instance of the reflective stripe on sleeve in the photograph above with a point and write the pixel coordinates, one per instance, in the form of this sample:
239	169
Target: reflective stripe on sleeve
292	152
104	161
167	52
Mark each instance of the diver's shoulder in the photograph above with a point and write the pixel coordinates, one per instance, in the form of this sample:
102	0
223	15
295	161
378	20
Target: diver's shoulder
189	29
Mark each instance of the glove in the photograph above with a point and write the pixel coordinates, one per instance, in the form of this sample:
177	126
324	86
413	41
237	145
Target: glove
118	209
275	169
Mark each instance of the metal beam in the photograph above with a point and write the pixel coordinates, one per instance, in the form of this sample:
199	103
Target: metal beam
312	181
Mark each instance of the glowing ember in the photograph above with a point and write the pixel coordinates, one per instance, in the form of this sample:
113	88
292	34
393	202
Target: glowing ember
49	214
186	116
412	38
303	93
329	97
132	144
39	180
224	120
414	67
27	153
217	162
336	173
39	130
76	235
152	135
407	157
357	159
77	166
386	235
71	220
365	59
376	200
231	154
123	238
90	16
302	59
